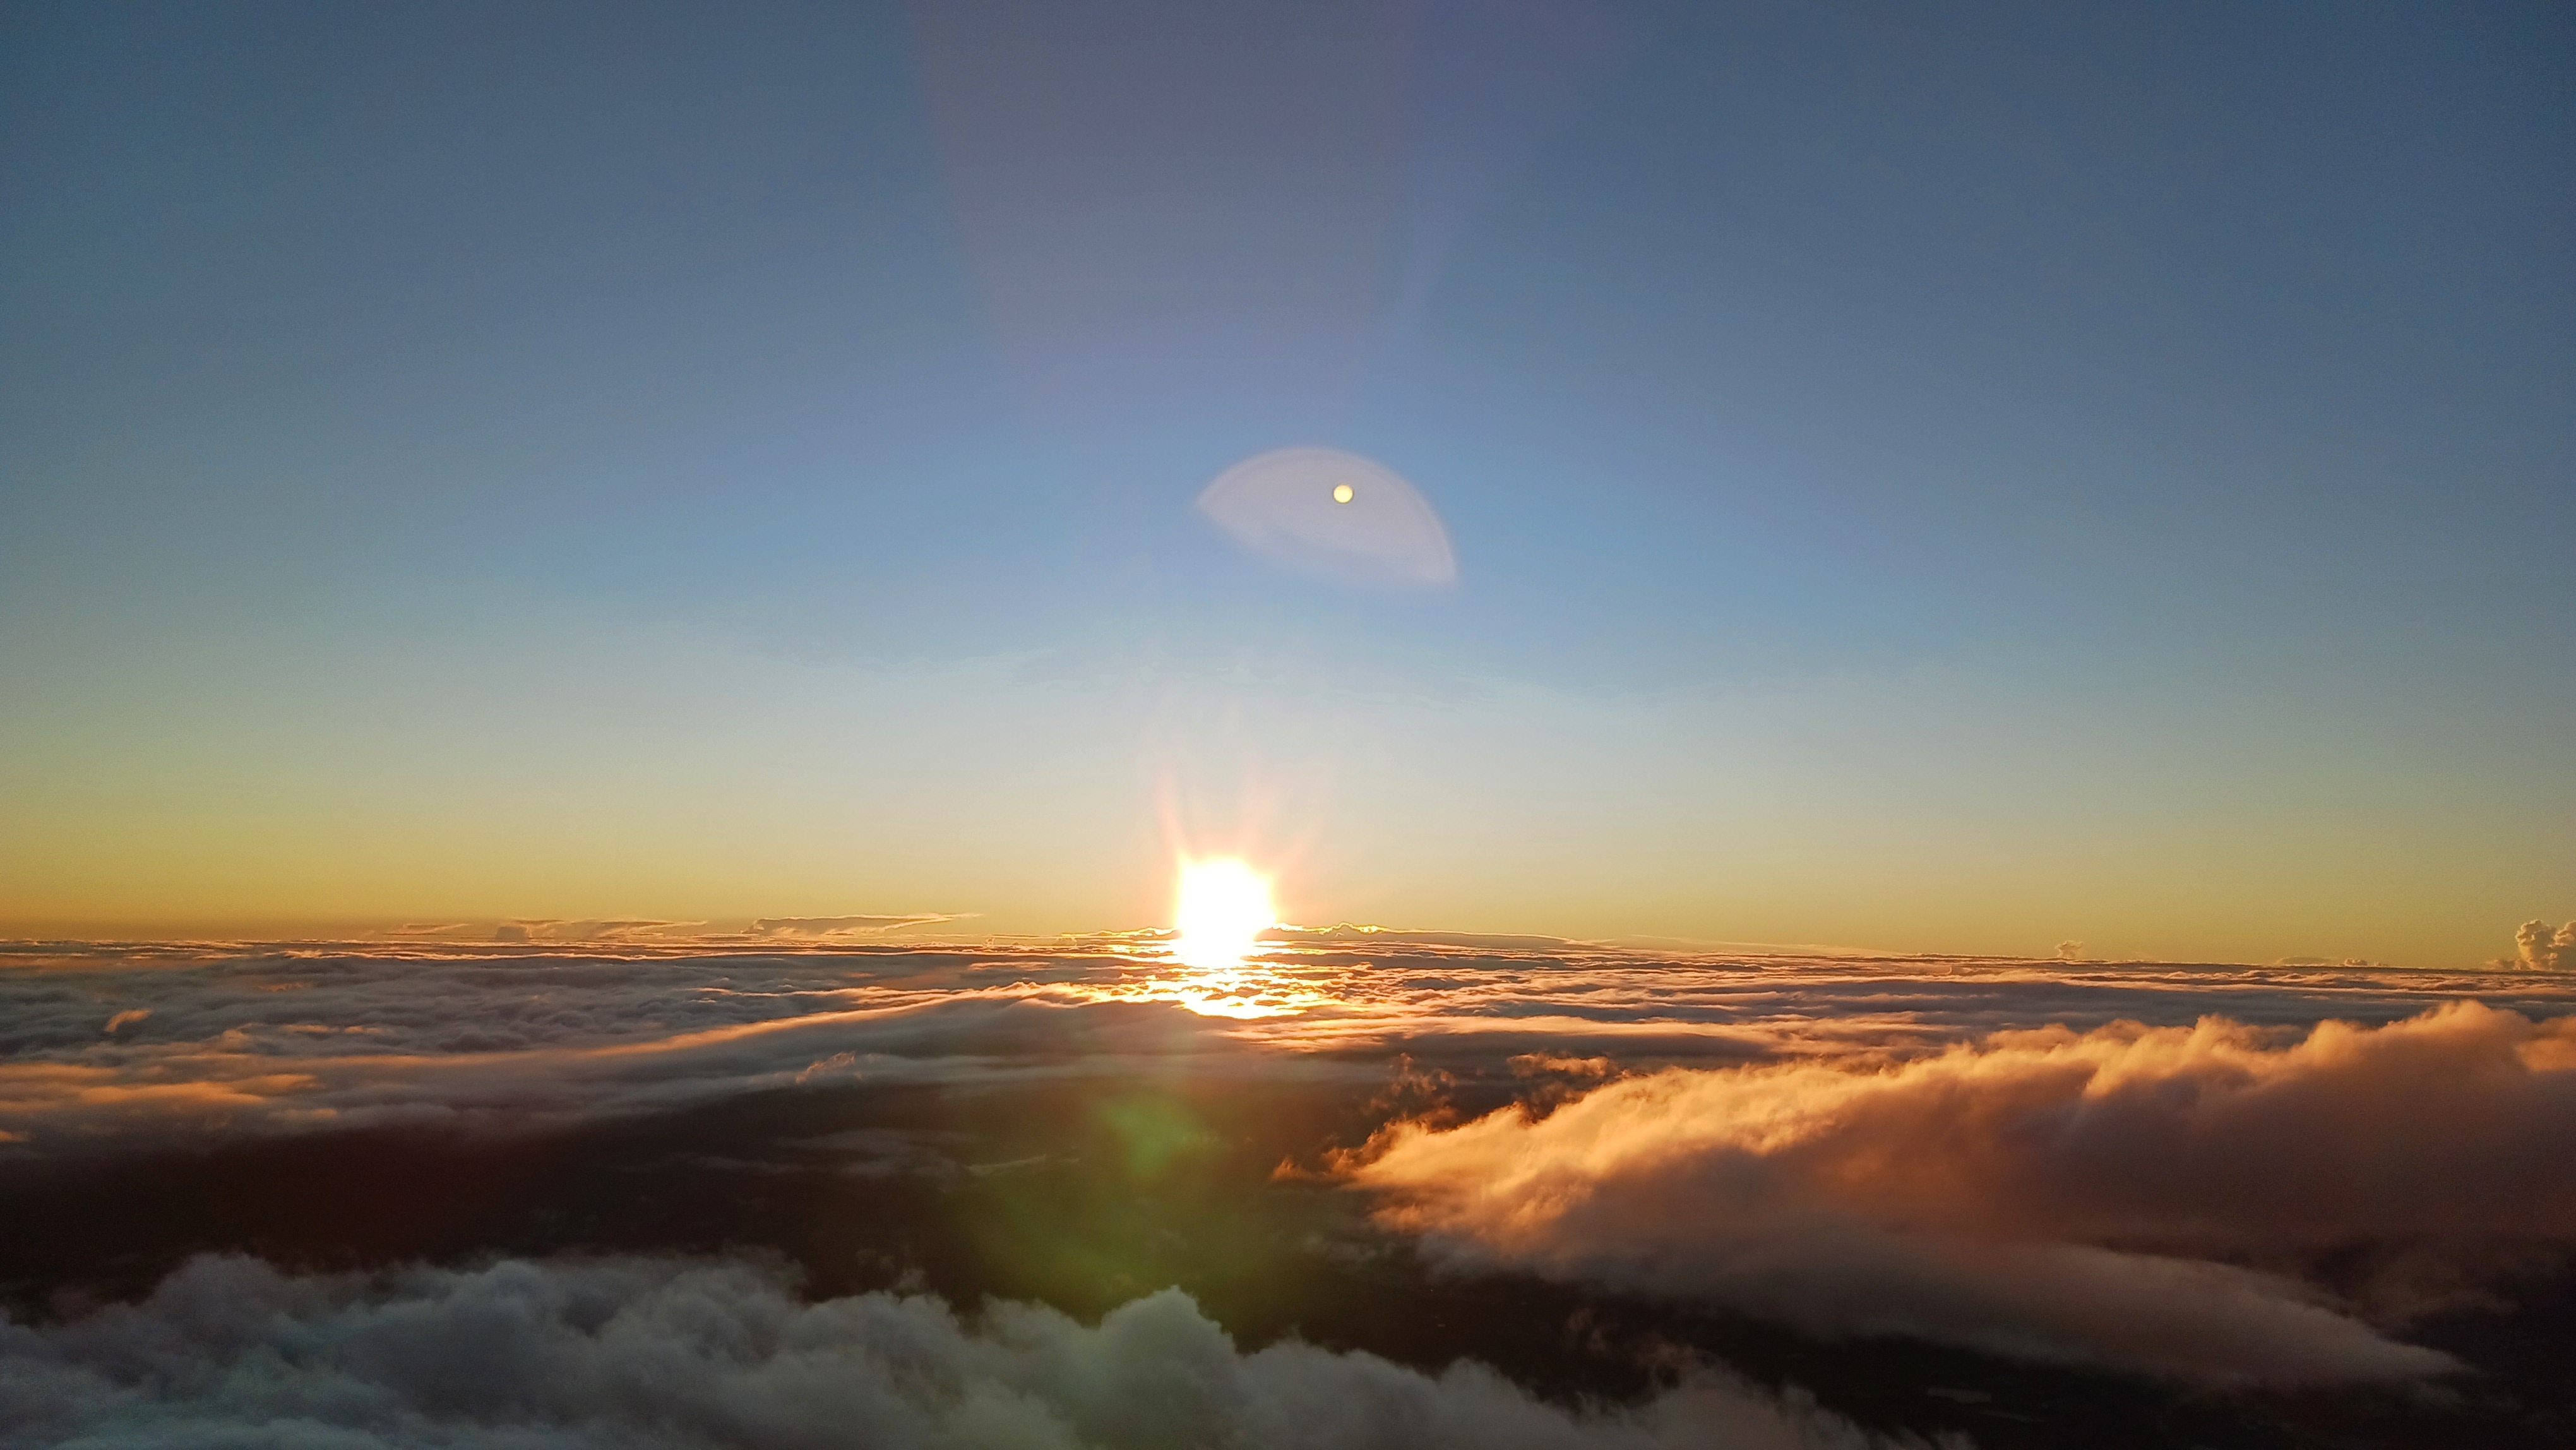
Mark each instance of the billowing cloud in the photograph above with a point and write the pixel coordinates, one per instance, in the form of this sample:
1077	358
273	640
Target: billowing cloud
2049	1193
2541	949
658	1353
1334	515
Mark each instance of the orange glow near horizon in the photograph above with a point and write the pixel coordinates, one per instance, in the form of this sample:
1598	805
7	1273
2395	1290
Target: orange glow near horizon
1222	908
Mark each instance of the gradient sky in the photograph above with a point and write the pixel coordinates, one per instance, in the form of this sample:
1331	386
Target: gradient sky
1949	481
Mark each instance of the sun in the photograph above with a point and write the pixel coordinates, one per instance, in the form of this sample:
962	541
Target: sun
1224	907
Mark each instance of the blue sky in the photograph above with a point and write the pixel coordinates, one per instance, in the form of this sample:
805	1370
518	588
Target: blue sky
1954	480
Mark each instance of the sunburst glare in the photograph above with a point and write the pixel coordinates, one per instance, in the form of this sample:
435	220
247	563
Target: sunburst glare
1222	909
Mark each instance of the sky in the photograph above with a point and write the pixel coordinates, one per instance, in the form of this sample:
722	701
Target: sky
1949	482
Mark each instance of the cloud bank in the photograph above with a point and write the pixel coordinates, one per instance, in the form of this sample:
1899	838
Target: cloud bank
672	1354
2047	1193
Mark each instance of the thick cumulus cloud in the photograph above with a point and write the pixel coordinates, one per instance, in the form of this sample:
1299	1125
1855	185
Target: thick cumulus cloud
669	1354
2539	948
2050	1192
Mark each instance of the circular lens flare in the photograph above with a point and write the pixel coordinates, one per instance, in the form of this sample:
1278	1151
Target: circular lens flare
1223	909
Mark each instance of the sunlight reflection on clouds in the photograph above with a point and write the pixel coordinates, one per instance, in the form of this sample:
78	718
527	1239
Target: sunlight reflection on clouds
307	1033
1796	1099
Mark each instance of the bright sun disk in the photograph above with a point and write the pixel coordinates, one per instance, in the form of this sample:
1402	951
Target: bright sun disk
1223	910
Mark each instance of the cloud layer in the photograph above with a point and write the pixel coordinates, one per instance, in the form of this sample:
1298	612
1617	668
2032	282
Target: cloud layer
672	1354
2054	1193
103	1040
2208	1175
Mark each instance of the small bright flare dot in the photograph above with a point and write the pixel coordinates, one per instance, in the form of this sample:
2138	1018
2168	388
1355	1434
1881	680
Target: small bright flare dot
1341	493
1223	910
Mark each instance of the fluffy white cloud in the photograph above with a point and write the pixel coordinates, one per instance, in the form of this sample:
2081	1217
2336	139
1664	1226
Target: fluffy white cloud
2049	1192
647	1354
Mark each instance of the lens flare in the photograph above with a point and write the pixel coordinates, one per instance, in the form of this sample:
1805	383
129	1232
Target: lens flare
1223	909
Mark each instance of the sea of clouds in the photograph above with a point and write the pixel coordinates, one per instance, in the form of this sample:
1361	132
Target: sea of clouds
101	1040
2133	1166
